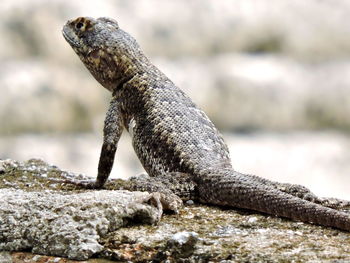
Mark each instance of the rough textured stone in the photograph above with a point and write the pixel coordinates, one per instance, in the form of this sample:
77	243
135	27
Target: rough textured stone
240	236
182	244
197	234
5	257
68	225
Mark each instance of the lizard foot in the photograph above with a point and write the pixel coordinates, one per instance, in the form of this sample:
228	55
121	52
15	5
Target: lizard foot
165	202
298	191
305	193
335	203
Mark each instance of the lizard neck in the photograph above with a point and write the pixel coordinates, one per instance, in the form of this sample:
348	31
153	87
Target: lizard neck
113	68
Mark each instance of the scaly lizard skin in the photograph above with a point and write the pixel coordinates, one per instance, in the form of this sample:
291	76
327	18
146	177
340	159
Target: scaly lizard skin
177	144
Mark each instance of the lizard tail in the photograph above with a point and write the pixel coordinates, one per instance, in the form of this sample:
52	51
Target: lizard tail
230	188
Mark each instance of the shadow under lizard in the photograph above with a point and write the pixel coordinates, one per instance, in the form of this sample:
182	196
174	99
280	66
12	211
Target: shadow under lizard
177	144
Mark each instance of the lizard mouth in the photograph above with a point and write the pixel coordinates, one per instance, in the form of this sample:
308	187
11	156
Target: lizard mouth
70	36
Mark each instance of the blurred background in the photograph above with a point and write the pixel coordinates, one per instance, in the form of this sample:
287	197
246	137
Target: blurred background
274	76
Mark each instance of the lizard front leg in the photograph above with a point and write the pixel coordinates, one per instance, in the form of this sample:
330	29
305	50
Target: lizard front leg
113	128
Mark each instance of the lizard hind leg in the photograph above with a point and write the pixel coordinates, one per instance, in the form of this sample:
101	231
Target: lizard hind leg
178	183
167	188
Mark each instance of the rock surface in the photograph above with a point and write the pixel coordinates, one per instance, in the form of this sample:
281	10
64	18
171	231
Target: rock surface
197	234
46	222
60	223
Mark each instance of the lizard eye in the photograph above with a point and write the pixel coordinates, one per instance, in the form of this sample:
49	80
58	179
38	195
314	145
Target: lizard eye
79	25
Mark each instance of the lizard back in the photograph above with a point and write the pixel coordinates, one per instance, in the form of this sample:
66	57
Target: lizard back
169	132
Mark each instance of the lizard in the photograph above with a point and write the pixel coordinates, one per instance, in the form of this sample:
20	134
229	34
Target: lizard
181	150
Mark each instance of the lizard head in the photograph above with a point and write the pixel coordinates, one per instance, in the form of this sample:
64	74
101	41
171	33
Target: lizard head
110	54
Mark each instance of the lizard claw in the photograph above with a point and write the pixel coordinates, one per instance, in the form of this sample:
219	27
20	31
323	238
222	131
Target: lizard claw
165	202
154	199
171	202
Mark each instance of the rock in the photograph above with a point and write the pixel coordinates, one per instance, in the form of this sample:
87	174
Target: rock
46	222
44	216
182	244
189	202
227	235
5	257
61	223
2	168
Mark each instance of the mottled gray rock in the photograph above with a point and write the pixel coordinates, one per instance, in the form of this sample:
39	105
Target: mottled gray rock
39	214
227	234
5	257
182	244
2	168
67	225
